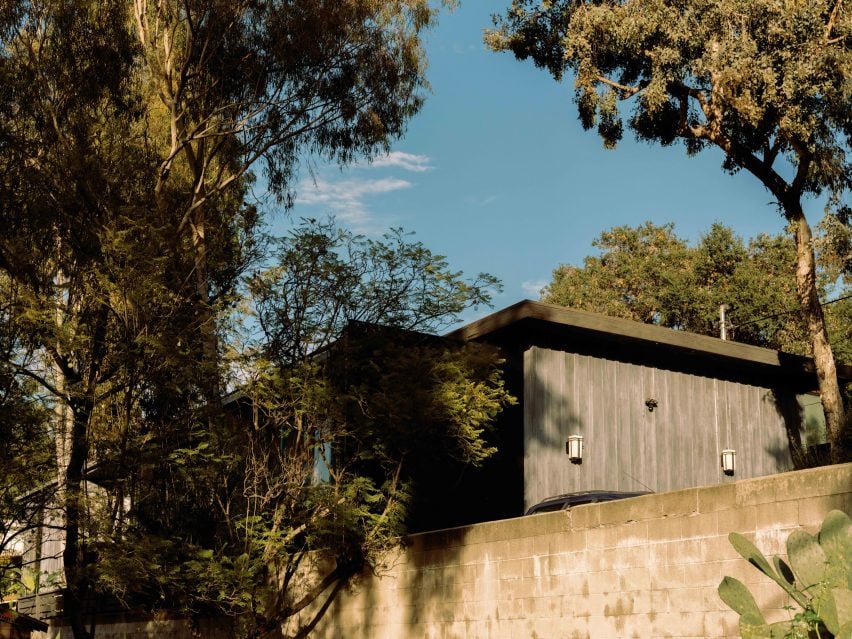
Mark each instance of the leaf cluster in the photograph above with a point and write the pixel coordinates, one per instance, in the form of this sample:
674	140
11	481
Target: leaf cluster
818	578
763	80
345	419
649	274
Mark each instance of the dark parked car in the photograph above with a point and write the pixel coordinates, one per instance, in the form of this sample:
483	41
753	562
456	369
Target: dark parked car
564	502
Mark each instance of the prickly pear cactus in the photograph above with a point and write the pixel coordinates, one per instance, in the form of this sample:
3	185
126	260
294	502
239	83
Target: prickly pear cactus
818	578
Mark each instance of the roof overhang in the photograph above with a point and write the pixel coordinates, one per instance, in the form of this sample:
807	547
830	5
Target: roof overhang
528	316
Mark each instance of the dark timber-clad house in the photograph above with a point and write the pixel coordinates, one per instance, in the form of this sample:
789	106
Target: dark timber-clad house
655	407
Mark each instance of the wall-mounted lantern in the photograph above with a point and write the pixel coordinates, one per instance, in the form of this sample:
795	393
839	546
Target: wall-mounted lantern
729	461
574	448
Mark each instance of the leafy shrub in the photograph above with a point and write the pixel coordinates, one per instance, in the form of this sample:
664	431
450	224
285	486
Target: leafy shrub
818	579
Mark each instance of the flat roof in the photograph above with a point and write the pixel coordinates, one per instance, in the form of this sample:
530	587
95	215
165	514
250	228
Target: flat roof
628	330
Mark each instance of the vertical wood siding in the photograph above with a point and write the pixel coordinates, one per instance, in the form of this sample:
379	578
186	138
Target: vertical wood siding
628	447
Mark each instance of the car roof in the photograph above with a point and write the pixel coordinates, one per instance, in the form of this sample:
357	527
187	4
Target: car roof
586	496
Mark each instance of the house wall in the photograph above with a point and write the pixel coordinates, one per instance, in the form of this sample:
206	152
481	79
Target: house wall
646	567
628	447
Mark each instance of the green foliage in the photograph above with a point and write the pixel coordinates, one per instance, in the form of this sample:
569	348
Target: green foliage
130	133
649	274
818	579
327	277
766	82
345	417
26	449
767	76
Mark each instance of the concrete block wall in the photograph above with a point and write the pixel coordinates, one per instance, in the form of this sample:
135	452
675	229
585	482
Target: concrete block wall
647	567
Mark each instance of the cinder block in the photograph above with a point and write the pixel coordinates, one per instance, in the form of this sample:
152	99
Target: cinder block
595	539
702	574
544	607
742	570
679	624
684	600
597	604
573	540
508	589
618	604
532	587
773	540
756	491
812	511
718	548
681	503
700	525
659	601
576	628
637	625
620	512
716	498
641	601
657	555
633	579
665	577
721	624
604	581
782	513
741	520
575	606
480	610
710	599
665	529
542	524
684	551
584	517
637	556
803	484
602	626
601	559
520	629
512	569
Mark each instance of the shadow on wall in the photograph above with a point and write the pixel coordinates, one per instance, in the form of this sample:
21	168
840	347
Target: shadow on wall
549	418
435	585
416	594
790	410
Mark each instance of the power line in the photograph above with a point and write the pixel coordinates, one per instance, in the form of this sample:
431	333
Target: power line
795	310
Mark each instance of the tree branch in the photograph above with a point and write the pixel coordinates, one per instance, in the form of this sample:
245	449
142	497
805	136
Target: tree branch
626	90
829	27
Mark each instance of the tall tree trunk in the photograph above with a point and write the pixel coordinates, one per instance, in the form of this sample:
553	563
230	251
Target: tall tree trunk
207	318
74	561
211	384
826	370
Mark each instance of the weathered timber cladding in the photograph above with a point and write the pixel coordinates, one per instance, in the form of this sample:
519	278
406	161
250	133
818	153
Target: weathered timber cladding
627	446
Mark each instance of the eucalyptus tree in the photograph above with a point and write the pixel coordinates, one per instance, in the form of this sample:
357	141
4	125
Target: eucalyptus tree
247	82
764	81
130	135
347	415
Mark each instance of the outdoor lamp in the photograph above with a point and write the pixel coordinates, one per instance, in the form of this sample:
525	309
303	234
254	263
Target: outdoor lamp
729	461
574	448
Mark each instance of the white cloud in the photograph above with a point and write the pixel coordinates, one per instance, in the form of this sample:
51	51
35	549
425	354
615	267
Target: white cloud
402	160
533	289
346	198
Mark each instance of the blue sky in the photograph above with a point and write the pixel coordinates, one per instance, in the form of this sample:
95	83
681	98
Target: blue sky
497	174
